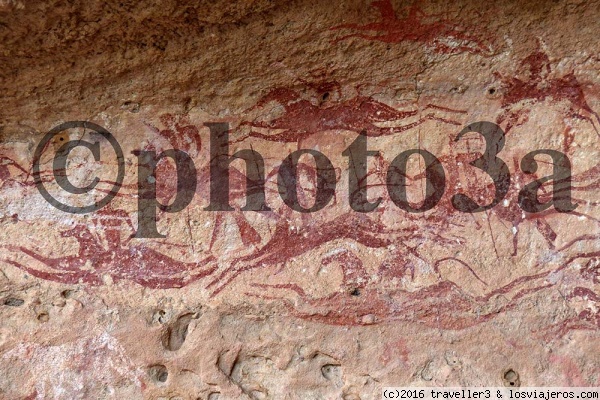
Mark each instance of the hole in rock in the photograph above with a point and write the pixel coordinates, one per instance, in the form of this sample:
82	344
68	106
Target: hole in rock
158	373
13	302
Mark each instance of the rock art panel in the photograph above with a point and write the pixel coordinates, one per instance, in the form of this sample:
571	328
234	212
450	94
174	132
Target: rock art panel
386	283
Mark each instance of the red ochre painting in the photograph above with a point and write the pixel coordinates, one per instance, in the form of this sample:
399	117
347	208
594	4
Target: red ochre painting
338	237
419	73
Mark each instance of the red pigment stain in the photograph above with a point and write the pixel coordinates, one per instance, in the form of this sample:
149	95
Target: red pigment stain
518	95
442	305
302	117
102	252
439	34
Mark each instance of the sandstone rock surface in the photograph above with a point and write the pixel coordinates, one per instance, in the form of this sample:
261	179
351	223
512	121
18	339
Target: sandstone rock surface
279	304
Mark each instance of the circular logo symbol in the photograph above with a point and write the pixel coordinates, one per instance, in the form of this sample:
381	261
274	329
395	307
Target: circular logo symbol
60	156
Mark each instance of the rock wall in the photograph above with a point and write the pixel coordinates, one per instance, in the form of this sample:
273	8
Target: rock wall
277	303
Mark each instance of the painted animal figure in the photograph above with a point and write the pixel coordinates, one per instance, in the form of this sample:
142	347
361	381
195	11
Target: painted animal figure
439	34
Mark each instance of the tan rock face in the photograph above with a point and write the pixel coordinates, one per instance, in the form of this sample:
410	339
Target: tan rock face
279	304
